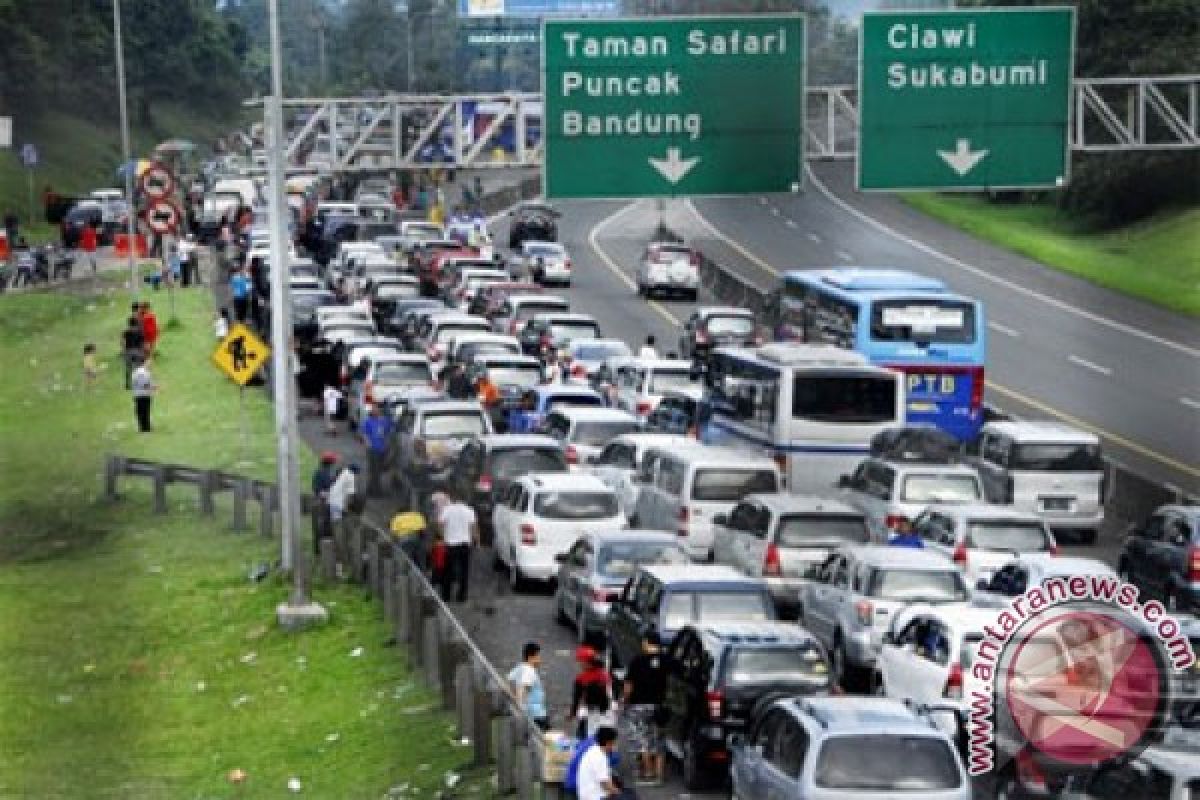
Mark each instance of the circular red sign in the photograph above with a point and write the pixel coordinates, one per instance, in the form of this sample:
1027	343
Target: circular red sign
157	181
1085	686
163	217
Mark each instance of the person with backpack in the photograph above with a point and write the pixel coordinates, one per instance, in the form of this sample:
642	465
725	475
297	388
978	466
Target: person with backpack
591	775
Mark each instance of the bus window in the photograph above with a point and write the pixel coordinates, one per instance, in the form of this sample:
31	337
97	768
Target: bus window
831	320
923	320
865	399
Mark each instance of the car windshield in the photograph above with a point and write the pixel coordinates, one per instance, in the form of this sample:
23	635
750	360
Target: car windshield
452	423
525	377
599	432
663	379
1009	536
797	663
897	764
516	462
848	399
923	320
911	585
528	311
570	331
544	251
599	351
576	505
684	608
618	561
730	325
940	489
1057	458
447	332
403	373
731	485
394	290
810	530
419	231
573	400
666	255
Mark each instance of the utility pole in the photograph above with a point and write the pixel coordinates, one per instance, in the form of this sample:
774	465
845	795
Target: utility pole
135	283
298	611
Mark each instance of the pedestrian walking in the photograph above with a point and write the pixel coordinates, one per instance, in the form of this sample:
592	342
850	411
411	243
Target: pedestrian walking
648	349
90	369
331	398
189	260
594	778
460	530
409	529
322	481
149	328
240	287
591	673
526	685
144	389
645	690
341	492
133	347
88	244
438	558
376	435
221	324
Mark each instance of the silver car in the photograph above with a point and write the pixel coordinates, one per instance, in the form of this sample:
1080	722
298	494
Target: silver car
857	591
893	493
592	573
838	748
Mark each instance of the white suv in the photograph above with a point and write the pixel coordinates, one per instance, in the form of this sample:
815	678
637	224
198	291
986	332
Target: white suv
669	268
539	517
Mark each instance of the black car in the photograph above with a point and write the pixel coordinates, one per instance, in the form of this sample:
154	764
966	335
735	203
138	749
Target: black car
717	326
1161	557
679	411
305	303
532	222
81	216
399	318
717	673
488	464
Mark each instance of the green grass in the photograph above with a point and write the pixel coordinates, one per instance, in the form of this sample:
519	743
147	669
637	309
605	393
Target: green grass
1156	260
136	657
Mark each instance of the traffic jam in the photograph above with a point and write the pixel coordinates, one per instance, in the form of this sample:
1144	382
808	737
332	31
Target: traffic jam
811	510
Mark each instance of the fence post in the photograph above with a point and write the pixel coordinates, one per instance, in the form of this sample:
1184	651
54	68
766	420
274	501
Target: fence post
481	725
160	489
266	515
354	552
389	587
206	487
453	652
404	601
524	772
464	701
506	754
372	578
113	467
431	646
241	495
328	560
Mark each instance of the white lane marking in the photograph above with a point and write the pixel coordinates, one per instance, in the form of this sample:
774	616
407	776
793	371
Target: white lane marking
987	276
844	256
791	223
1007	331
774	211
1092	365
1190	403
615	268
762	201
812	237
737	247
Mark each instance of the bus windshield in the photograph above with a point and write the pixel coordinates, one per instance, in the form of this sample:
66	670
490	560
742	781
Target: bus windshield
924	319
863	399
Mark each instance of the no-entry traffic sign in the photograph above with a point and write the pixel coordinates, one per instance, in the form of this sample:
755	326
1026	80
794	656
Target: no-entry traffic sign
163	217
966	99
157	181
678	106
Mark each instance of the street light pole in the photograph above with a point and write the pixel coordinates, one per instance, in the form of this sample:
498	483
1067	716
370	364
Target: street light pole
126	155
297	611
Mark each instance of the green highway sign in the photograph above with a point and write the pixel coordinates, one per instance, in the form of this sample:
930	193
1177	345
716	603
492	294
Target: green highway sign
673	106
965	99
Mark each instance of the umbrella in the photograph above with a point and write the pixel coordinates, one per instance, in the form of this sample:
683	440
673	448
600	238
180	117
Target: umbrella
175	146
139	166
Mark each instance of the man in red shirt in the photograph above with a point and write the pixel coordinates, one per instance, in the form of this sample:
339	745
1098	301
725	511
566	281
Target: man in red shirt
149	328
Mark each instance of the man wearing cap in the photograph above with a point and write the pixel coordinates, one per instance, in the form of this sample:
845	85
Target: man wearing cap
376	434
322	481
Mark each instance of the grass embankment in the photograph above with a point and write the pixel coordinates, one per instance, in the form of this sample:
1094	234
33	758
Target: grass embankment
137	659
1156	260
77	155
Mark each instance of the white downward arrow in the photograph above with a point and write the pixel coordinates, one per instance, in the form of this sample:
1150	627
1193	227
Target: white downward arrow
962	159
673	168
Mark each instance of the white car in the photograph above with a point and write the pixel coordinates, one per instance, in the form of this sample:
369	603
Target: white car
640	383
669	268
618	464
585	356
584	430
540	516
387	375
328	316
926	655
469	281
1020	574
546	262
982	538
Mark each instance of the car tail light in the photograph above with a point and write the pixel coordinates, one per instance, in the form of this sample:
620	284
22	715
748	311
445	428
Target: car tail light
960	555
894	522
567	265
701	337
512	328
771	564
601	595
977	382
434	353
954	683
865	610
781	461
1194	564
579	371
545	341
572	454
343	375
756	340
694	259
644	407
684	516
716	704
1053	550
369	393
528	534
484	484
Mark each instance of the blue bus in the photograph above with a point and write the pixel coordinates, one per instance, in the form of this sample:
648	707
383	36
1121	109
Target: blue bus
897	319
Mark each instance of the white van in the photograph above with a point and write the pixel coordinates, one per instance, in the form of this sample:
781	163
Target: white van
246	188
1045	468
685	487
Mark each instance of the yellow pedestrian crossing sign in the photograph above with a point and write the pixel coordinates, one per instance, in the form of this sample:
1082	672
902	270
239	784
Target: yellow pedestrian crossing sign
241	354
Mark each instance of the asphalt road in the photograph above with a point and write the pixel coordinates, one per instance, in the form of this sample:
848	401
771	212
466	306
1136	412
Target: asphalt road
1058	346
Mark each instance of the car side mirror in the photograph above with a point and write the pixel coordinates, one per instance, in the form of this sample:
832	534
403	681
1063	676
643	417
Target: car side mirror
982	585
721	519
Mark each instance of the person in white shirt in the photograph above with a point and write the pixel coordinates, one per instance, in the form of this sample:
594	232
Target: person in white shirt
647	350
341	491
330	399
221	324
595	779
460	529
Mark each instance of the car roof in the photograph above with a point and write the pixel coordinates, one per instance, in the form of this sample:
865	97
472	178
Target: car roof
557	481
693	393
513	441
401	357
879	555
769	633
788	503
541	297
723	311
593	413
985	511
866	715
453	405
1042	432
624	535
1063	565
903	467
710	455
664	363
487	359
564	316
964	618
642	440
700	574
